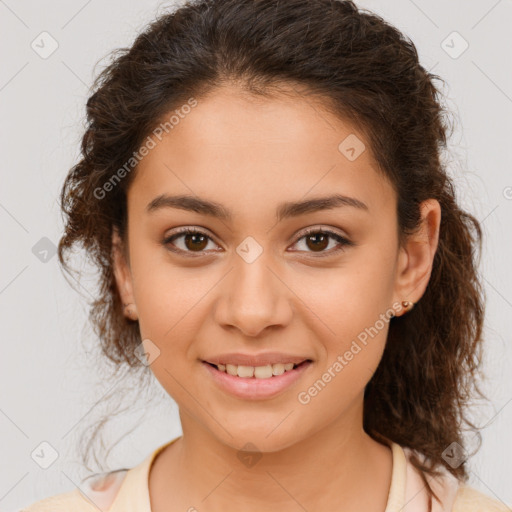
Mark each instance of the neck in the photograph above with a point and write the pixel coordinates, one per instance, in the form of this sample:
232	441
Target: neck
338	467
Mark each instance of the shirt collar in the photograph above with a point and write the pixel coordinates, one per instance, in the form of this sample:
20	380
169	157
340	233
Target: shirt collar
408	491
133	495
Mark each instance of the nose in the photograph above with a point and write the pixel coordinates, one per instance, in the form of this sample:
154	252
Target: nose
253	298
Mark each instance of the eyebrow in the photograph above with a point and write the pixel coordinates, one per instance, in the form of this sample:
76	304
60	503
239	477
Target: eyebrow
284	210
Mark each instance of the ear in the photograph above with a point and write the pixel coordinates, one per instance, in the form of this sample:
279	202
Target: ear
123	275
416	258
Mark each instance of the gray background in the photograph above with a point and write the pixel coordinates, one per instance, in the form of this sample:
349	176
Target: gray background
49	388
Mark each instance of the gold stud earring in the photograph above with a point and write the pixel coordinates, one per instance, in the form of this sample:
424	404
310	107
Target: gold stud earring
407	304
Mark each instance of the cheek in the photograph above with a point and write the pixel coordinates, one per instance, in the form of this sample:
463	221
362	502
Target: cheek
344	301
352	344
168	303
171	300
348	311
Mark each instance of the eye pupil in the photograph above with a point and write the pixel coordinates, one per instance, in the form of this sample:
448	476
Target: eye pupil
323	244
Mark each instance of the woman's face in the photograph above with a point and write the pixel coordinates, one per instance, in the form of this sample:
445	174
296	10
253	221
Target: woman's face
252	282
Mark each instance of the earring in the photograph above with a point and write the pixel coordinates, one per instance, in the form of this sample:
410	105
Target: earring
407	304
130	311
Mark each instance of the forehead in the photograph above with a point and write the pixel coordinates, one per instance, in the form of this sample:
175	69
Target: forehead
248	152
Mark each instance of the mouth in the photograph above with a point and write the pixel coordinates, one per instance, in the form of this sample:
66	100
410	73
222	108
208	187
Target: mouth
256	383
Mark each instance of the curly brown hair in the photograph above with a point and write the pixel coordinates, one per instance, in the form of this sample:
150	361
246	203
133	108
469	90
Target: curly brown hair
364	70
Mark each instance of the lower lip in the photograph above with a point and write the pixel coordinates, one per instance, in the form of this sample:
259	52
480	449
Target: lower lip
256	389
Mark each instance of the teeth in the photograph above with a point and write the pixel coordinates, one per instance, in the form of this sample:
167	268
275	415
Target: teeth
258	372
263	372
278	369
245	371
231	369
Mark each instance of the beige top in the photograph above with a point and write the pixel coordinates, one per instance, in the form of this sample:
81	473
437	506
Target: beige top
128	491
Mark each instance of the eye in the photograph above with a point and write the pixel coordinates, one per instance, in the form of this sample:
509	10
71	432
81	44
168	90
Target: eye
318	240
194	240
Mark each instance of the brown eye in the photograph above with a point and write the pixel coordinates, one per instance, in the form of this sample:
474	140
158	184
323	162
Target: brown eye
318	240
191	241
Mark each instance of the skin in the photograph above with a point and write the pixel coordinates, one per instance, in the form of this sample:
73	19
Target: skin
250	154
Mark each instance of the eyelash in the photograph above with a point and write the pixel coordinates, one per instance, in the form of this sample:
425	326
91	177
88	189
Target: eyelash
310	231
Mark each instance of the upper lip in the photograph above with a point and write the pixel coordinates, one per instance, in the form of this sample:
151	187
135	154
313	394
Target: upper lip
256	360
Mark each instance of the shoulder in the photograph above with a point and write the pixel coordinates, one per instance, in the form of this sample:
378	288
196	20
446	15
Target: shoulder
455	495
95	493
469	499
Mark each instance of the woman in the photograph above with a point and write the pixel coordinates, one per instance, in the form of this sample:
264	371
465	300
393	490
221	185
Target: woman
322	339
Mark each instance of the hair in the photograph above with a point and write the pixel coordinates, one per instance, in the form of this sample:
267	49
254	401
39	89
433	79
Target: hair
361	69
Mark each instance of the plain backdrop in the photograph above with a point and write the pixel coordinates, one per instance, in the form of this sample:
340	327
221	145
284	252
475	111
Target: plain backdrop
49	386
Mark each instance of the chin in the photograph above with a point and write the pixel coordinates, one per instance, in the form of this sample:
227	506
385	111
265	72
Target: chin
258	437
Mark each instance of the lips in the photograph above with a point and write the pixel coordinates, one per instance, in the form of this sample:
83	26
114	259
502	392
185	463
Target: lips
260	386
262	367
